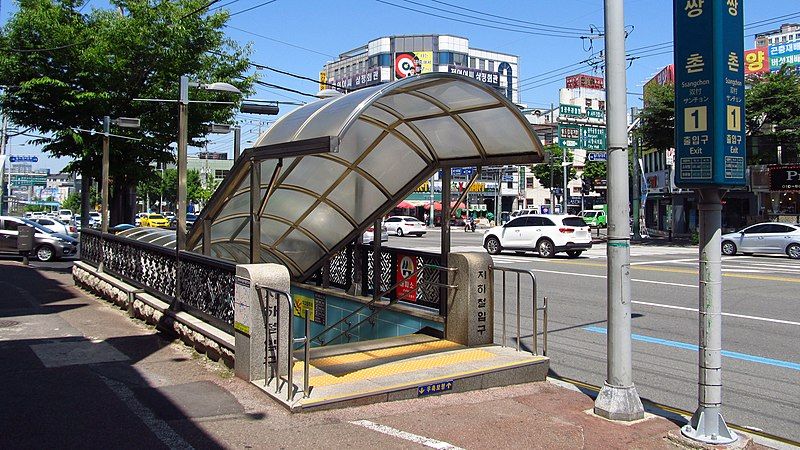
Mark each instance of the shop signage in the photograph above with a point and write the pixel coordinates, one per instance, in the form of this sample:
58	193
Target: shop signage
407	64
360	80
585	81
756	61
709	94
484	76
784	178
597	156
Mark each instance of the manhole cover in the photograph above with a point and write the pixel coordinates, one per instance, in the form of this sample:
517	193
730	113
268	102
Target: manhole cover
8	323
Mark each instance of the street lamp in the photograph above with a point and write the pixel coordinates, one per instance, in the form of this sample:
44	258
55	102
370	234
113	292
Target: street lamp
124	122
183	125
564	169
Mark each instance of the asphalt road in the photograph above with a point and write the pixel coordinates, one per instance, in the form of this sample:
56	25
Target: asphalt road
761	325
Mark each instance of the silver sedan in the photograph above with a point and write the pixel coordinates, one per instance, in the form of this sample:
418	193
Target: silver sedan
770	237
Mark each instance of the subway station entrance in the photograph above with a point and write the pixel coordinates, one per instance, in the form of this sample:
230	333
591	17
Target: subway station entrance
321	319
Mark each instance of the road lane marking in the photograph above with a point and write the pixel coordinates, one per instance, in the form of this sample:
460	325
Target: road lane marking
427	442
639	263
692	347
589	275
738	316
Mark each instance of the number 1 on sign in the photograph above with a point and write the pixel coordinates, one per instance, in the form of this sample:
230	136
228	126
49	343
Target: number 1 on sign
734	118
695	119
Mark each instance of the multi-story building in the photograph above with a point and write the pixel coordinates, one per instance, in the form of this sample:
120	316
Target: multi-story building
788	32
391	58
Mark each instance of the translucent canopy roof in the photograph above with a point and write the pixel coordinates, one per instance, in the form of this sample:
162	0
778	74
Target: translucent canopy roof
343	162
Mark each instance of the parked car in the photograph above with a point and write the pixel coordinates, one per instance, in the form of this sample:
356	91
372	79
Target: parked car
155	220
137	220
57	226
770	237
190	220
120	227
65	215
546	235
47	245
595	218
368	235
95	219
405	225
524	212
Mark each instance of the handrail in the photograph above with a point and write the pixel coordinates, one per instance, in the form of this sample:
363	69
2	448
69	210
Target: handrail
372	302
536	309
265	304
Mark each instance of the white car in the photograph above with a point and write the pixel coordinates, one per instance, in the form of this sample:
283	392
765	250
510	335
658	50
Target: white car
138	219
57	226
65	215
770	237
544	234
405	225
95	219
368	235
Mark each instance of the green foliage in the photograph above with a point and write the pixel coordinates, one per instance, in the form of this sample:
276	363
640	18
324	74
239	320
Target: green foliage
594	170
67	70
553	162
772	103
73	203
36	208
657	127
167	184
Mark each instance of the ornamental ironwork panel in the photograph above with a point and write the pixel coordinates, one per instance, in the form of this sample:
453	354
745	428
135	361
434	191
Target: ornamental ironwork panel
91	246
208	286
340	268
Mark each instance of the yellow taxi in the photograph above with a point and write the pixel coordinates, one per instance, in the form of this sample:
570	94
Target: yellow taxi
155	220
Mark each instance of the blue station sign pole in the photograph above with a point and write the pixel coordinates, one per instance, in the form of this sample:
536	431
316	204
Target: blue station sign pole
710	155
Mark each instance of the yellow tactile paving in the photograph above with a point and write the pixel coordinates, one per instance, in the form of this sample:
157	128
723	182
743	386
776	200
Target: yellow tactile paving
391	352
405	366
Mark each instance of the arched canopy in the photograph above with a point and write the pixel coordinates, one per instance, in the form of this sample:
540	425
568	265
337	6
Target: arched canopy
336	165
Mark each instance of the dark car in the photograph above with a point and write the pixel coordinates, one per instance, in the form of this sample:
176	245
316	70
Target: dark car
190	219
47	245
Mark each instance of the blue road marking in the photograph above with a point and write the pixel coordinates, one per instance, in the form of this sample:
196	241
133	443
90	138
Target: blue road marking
694	348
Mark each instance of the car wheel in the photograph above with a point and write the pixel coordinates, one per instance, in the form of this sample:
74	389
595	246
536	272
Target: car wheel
793	251
493	245
728	248
45	253
545	248
400	232
574	253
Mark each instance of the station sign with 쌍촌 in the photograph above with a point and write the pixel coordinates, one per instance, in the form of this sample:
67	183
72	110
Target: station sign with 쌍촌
709	94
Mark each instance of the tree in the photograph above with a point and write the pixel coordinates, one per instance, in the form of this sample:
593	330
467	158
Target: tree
66	70
553	162
657	126
595	170
72	203
772	103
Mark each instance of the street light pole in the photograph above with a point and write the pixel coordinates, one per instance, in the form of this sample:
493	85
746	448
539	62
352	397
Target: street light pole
618	399
183	124
564	186
104	186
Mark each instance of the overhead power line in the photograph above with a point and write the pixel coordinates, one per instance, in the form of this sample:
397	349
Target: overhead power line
279	41
536	33
509	18
252	8
264	83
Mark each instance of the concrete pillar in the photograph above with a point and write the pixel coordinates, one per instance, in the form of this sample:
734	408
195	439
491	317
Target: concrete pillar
251	321
470	319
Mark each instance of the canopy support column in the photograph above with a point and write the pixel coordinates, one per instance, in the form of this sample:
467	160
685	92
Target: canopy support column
445	239
255	217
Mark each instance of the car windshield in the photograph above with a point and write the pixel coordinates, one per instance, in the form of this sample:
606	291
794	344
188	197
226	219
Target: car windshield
155	216
35	225
574	222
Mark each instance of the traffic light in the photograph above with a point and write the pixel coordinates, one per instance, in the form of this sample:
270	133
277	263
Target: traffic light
586	186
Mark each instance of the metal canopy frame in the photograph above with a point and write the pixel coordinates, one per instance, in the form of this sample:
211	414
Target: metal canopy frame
377	146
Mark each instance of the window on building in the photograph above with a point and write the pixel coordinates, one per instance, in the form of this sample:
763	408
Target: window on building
221	173
601	104
529	182
459	59
490	66
510	184
385	59
473	63
588	103
445	58
481	64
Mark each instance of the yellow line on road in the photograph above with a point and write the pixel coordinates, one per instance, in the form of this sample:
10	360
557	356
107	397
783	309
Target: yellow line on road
683	271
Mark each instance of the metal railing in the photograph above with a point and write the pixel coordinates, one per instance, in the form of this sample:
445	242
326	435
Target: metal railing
385	295
272	371
535	310
206	290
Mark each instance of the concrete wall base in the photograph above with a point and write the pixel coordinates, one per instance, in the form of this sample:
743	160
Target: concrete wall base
619	403
216	344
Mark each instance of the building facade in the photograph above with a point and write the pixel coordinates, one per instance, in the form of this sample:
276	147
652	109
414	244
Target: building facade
391	58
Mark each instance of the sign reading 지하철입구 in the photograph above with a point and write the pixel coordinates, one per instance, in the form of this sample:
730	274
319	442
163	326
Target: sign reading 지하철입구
709	93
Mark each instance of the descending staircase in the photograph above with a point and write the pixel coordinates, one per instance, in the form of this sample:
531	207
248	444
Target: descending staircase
400	368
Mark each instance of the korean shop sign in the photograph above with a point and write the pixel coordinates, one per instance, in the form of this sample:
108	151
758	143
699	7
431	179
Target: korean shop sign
709	93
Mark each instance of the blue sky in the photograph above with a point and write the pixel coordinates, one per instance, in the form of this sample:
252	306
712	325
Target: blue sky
299	36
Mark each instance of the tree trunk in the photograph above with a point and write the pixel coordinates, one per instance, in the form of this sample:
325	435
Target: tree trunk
123	202
86	189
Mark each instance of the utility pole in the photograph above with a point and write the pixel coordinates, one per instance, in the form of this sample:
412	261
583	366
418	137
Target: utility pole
183	124
618	399
104	195
3	157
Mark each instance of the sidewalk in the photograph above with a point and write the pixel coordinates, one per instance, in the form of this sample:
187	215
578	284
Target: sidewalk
78	373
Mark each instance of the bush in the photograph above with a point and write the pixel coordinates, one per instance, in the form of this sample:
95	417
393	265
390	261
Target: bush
695	238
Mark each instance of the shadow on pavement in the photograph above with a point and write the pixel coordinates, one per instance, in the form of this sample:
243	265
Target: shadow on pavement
63	389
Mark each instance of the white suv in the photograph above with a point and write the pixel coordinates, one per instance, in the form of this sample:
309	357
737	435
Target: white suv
544	234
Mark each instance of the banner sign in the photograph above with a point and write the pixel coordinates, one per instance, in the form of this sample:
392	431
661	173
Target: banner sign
484	76
369	77
787	53
585	81
709	94
756	61
407	64
784	178
406	288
